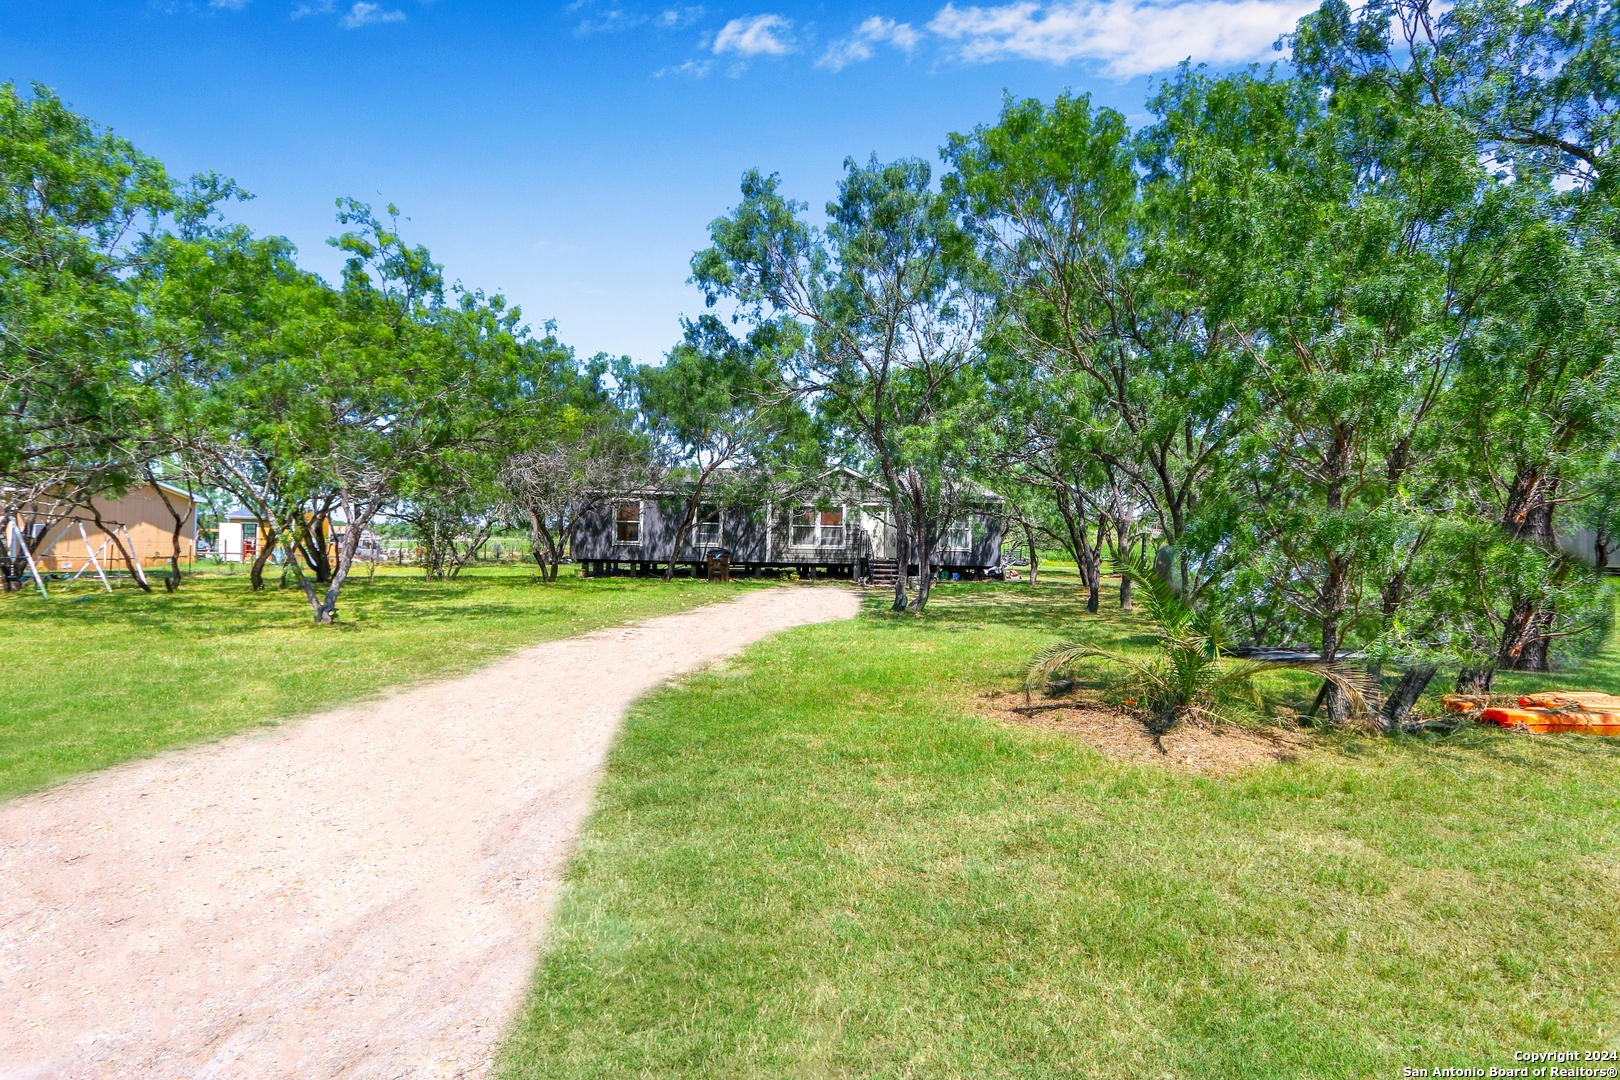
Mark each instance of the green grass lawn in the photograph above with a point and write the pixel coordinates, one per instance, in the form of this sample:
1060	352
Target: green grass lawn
95	678
819	862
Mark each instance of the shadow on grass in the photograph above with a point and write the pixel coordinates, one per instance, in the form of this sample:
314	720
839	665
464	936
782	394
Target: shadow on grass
1057	611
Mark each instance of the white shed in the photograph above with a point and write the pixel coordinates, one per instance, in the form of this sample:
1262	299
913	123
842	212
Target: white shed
238	539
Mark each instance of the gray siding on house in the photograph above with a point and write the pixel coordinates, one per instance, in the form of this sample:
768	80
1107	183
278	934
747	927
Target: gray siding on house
759	535
785	551
984	549
742	532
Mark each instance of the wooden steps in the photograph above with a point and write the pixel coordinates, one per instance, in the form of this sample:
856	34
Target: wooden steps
884	571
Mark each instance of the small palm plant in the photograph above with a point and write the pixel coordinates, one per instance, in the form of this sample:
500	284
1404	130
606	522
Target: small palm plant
1191	678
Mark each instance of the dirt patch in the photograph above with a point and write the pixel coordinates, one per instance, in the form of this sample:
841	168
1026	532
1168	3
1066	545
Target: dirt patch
1209	751
360	894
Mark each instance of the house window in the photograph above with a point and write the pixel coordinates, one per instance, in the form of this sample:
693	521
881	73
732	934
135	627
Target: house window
804	526
958	536
818	528
627	523
832	528
706	528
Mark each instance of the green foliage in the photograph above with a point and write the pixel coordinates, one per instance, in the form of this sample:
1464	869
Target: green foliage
75	203
1340	338
882	312
1186	678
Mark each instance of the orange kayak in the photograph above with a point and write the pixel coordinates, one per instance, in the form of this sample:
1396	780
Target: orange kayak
1579	699
1544	721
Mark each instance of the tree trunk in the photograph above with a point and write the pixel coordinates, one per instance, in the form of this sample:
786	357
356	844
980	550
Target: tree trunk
1332	695
130	561
1476	680
10	581
1085	560
327	612
324	607
267	546
681	531
1405	695
925	570
1122	547
1034	556
460	558
319	532
902	535
1525	639
540	535
1528	517
685	527
902	553
172	582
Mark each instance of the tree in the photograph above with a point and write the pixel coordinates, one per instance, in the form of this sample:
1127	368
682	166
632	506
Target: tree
229	309
398	378
889	313
1538	82
1108	312
75	204
554	483
1042	456
313	396
707	408
1538	402
1535	87
1364	272
451	513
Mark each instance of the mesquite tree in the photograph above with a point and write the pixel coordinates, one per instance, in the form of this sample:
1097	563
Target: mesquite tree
552	484
889	313
1119	326
709	410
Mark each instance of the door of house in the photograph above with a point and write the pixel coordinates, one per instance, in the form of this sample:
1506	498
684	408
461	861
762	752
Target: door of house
879	530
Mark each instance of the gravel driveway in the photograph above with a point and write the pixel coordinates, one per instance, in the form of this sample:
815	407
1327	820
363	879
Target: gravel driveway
358	894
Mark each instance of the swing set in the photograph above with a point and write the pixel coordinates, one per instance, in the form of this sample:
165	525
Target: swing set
42	524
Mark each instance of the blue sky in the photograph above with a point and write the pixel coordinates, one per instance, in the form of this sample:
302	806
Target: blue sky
572	154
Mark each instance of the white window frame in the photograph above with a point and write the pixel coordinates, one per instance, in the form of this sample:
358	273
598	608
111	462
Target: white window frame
822	528
794	526
963	527
820	534
702	541
641	522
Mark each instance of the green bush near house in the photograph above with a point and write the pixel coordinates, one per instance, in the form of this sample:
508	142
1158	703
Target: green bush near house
819	861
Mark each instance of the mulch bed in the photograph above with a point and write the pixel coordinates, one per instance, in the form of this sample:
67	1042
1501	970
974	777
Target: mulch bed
1215	750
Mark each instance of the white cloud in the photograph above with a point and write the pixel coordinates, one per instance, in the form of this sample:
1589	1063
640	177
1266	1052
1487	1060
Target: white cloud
755	35
365	13
228	5
613	19
678	16
616	18
324	7
1132	37
694	69
858	46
